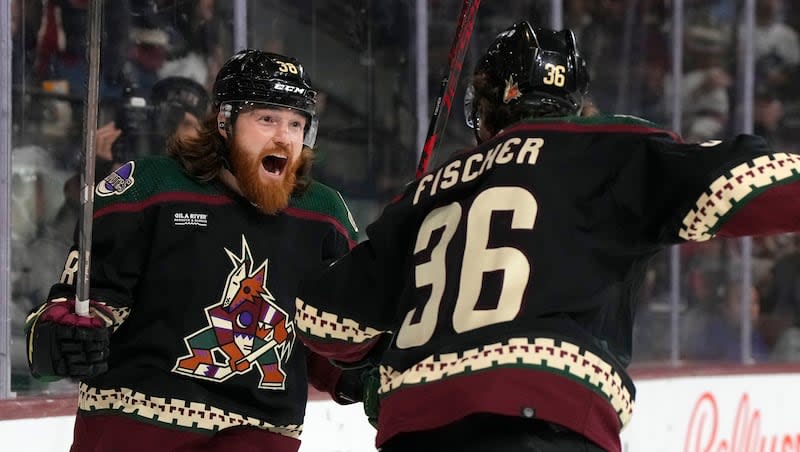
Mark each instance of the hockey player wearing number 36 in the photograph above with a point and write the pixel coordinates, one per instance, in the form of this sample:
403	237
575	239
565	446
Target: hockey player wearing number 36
508	274
196	260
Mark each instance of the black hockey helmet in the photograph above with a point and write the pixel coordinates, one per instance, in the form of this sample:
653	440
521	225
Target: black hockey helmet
180	94
252	77
533	66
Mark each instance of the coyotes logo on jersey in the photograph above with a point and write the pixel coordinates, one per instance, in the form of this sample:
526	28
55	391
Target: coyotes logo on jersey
246	330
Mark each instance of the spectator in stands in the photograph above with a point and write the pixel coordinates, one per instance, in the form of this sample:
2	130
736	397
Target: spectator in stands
199	39
713	328
61	45
787	349
782	306
767	114
706	103
150	45
705	264
655	68
777	45
602	40
651	330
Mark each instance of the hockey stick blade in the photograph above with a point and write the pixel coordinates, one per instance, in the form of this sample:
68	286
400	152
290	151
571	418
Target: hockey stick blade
458	50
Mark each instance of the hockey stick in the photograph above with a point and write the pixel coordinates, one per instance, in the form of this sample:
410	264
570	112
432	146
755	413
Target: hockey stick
87	178
447	91
252	356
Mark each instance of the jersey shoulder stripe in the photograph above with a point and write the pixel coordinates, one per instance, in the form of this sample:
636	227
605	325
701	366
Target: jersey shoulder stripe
322	203
143	182
595	124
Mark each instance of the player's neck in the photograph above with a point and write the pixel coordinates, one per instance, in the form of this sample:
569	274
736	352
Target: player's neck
230	181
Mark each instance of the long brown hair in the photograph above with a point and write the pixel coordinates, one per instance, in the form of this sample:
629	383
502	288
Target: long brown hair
205	156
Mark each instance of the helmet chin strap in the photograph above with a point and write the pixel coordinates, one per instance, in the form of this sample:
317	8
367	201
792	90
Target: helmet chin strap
477	133
476	123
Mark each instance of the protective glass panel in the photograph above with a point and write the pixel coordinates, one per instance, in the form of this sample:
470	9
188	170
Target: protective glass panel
158	59
776	117
158	63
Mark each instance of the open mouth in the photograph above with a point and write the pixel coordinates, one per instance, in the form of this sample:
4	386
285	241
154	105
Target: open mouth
274	164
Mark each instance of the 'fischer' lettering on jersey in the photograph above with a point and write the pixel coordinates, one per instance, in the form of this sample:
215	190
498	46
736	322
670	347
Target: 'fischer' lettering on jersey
469	167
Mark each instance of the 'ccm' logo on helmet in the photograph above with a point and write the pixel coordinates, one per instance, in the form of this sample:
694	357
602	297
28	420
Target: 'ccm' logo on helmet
289	88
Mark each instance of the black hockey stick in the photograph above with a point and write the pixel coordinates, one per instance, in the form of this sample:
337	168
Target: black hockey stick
458	50
87	177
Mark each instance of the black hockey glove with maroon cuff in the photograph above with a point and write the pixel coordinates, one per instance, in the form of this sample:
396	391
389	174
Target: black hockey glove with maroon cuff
61	343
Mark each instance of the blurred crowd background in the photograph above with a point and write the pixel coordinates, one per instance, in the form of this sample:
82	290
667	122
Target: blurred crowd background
366	57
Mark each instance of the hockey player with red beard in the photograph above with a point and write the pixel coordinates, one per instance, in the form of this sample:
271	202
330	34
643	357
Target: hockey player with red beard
507	276
195	263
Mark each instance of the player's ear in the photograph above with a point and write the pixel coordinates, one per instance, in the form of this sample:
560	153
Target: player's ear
221	123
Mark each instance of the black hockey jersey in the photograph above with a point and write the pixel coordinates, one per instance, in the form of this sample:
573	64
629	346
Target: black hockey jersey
508	274
203	287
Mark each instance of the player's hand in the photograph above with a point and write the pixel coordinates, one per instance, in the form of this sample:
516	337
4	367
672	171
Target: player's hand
280	333
104	139
371	381
360	385
241	365
61	343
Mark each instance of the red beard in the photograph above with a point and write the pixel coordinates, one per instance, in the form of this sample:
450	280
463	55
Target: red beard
271	196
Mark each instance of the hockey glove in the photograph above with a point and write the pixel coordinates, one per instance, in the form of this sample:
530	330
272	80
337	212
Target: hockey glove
371	380
360	385
61	343
350	387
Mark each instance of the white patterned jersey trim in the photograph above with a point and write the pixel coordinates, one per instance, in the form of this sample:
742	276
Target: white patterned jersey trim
173	411
314	322
726	192
543	353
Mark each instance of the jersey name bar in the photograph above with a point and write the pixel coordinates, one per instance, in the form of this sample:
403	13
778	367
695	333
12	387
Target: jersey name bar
468	168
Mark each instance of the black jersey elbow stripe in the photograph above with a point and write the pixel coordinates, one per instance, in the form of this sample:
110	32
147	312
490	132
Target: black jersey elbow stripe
138	206
729	193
